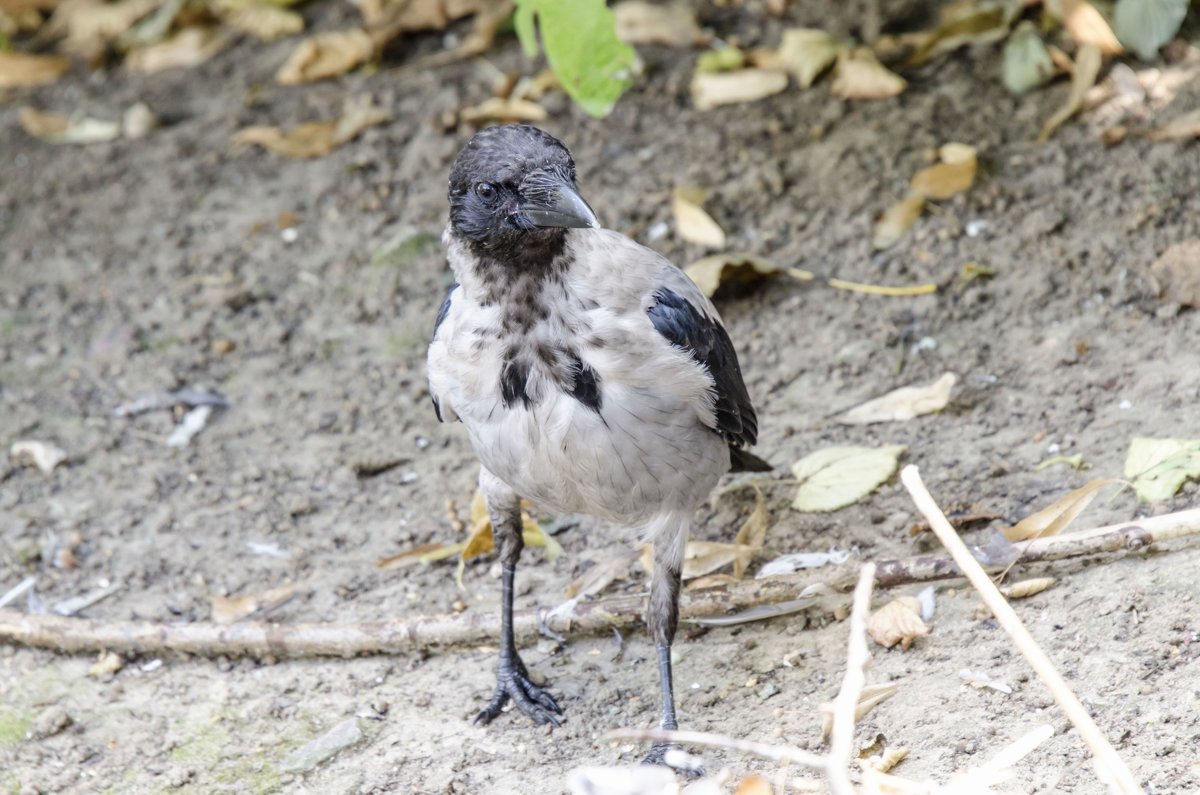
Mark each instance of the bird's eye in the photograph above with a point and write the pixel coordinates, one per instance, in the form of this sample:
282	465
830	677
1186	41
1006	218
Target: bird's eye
485	191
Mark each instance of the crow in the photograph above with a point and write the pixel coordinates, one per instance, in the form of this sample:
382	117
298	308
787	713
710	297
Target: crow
590	373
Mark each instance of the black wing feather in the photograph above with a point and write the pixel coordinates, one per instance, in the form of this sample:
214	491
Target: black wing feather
707	342
441	316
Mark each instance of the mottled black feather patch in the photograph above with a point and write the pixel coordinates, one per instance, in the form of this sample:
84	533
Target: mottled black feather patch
688	328
586	387
513	378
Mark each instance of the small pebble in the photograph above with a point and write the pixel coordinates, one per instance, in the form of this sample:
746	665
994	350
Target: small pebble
52	720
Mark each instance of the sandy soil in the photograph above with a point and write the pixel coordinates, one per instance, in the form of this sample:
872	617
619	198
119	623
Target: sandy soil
145	265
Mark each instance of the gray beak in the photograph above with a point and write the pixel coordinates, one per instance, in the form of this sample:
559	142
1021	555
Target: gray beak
551	200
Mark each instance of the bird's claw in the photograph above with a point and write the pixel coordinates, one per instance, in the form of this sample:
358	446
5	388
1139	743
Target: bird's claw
513	683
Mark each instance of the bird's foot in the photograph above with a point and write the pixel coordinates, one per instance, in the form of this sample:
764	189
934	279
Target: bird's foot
658	756
513	683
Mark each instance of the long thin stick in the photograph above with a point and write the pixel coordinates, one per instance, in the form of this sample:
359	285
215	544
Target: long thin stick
269	640
777	753
841	742
1109	765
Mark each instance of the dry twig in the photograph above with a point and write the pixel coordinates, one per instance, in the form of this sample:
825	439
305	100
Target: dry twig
841	742
266	640
1109	766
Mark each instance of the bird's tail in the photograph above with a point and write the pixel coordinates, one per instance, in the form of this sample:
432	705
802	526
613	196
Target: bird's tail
745	461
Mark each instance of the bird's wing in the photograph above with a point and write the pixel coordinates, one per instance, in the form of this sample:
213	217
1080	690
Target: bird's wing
681	313
625	275
435	349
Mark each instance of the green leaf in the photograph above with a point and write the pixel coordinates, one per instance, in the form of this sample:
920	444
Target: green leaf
839	476
1159	467
580	39
1027	63
1146	25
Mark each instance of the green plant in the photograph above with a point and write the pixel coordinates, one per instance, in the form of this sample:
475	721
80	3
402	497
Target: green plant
581	45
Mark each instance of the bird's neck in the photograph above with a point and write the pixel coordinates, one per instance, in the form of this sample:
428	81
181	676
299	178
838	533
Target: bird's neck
508	274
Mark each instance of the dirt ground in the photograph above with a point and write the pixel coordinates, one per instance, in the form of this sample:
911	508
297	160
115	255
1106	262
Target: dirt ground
136	266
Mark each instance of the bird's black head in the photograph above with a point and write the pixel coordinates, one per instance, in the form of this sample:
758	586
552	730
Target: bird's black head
513	193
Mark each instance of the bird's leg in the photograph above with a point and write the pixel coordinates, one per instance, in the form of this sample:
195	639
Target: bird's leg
662	618
512	679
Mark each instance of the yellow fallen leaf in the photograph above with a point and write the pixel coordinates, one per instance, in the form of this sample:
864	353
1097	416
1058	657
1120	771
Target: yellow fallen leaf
899	621
711	272
1182	128
17	69
56	128
480	541
316	138
326	55
953	175
729	88
671	24
1086	25
870	697
107	664
600	576
961	24
753	532
1160	467
896	221
692	222
507	110
807	52
1087	68
264	21
705	557
1026	588
409	557
835	477
189	47
860	76
227	610
1052	519
903	404
754	784
89	26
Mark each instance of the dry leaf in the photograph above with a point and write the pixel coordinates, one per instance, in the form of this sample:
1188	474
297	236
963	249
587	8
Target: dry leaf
107	664
264	21
896	221
406	558
753	532
56	128
1160	467
600	576
189	47
1086	25
316	138
1178	273
1087	67
227	610
794	562
899	621
691	221
507	110
807	52
888	759
901	405
89	26
711	272
18	69
860	76
705	557
326	55
754	784
43	455
1025	588
962	24
1055	518
835	477
953	175
870	697
673	24
729	88
1182	128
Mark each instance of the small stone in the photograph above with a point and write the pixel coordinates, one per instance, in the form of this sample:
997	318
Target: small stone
180	777
768	690
52	720
342	736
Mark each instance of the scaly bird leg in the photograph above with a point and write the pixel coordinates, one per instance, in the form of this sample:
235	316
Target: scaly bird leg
512	679
662	618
